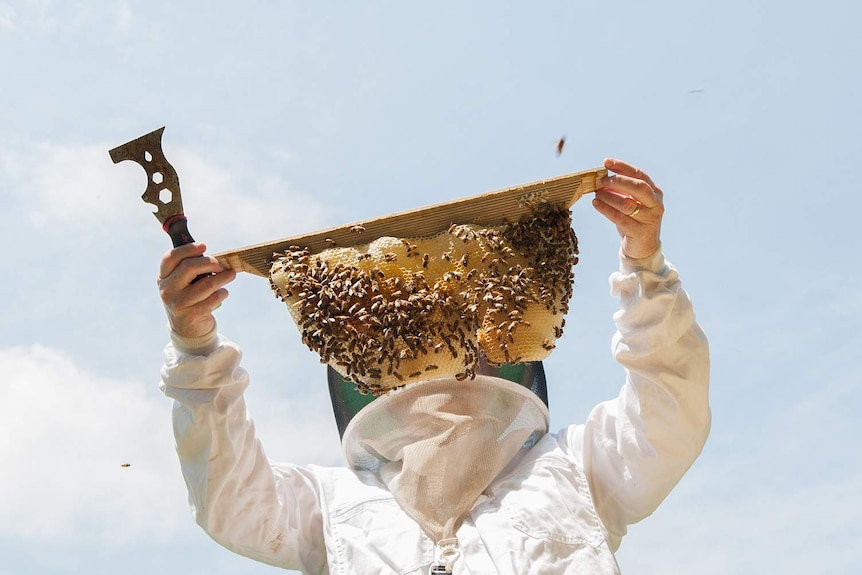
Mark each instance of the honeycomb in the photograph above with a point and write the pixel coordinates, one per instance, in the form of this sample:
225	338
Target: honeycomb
398	310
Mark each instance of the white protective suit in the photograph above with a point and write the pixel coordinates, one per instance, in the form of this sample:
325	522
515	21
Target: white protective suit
561	506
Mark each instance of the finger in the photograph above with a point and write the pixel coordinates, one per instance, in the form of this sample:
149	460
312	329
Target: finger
624	204
634	182
207	305
179	293
185	275
625	224
188	270
193	270
639	190
626	169
174	257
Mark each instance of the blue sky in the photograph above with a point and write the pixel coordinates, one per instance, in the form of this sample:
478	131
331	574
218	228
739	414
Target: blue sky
288	117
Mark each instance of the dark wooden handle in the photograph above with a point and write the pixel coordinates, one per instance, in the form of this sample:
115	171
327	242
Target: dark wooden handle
178	228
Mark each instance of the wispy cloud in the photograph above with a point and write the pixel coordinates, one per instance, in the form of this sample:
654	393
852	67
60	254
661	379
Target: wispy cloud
66	435
78	188
123	18
86	456
242	206
72	187
7	17
761	529
51	18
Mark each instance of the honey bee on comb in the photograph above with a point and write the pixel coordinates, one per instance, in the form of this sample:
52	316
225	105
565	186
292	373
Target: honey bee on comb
507	307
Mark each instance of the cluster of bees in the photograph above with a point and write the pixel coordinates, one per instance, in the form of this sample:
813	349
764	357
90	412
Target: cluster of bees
401	310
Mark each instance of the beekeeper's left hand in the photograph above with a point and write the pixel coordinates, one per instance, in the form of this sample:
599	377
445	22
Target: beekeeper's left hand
631	200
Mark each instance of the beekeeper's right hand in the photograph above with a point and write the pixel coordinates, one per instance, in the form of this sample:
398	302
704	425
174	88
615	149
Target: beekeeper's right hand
190	305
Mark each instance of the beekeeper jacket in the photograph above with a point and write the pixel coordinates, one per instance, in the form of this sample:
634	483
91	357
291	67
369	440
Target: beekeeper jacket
562	506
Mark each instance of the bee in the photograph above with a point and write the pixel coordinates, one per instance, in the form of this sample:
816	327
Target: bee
330	242
357	229
425	258
125	465
390	257
560	145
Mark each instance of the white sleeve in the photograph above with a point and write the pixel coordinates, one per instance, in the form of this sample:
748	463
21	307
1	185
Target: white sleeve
637	447
271	514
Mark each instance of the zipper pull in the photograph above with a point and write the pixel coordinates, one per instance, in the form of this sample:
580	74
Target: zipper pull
449	553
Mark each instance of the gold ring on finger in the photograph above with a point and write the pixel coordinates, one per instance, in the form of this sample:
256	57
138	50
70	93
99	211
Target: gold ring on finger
636	210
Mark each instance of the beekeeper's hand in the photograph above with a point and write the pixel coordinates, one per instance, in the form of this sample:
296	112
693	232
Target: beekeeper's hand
631	200
190	305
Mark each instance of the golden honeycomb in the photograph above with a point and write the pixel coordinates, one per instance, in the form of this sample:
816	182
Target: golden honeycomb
398	310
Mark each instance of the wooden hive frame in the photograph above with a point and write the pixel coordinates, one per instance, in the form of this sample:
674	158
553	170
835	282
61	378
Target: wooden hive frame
488	209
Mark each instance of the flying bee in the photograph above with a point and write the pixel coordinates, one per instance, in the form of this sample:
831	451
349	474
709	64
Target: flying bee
560	145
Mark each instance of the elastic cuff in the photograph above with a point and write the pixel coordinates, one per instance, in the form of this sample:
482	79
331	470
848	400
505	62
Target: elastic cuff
654	263
201	345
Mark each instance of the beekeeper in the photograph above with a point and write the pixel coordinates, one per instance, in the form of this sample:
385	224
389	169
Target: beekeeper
447	476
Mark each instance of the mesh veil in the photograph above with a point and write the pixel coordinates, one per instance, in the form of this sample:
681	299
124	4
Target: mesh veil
437	445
